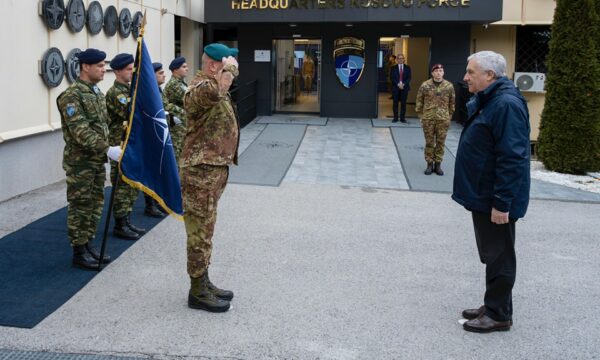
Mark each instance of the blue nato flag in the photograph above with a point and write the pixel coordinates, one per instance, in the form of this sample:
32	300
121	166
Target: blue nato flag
148	161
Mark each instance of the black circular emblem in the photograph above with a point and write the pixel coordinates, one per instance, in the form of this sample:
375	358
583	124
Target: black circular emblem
76	15
137	24
53	67
125	23
54	13
73	65
95	17
111	21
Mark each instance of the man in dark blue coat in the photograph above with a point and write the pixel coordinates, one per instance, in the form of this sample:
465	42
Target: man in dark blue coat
492	180
400	75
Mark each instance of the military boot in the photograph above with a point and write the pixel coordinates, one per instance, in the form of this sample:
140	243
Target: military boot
200	297
429	169
121	230
83	259
438	169
151	209
220	293
136	229
96	254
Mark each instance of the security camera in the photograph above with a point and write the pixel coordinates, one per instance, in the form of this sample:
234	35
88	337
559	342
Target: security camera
485	26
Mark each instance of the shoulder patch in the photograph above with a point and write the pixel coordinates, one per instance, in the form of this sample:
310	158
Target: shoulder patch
122	99
70	109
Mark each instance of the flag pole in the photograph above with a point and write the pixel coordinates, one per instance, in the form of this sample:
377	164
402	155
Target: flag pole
118	174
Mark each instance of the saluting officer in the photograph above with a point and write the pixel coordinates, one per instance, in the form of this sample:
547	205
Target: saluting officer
174	92
435	105
117	103
210	146
84	121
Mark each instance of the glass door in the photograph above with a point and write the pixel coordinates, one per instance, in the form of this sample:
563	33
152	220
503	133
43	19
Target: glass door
297	78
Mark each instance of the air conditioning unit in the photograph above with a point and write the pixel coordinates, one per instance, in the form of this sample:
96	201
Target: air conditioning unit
530	82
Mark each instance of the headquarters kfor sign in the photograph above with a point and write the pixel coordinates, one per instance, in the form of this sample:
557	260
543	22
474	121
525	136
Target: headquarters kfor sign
343	4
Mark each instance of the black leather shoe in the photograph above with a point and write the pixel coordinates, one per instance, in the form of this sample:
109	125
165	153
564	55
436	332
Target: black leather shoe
96	254
152	209
473	313
136	229
403	121
485	324
121	230
395	120
83	259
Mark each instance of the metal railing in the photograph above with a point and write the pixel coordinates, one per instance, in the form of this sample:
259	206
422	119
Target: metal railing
244	98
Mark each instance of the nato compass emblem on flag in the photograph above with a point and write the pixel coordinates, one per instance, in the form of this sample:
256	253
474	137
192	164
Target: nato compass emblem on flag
349	57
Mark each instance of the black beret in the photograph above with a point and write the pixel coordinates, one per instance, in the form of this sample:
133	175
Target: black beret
176	63
91	56
219	51
121	61
157	66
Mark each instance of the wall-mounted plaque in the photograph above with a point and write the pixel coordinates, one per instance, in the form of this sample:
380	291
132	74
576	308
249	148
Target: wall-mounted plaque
72	61
53	12
111	21
125	23
53	67
76	15
95	17
137	24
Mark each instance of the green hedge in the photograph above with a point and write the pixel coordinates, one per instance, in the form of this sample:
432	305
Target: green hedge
569	139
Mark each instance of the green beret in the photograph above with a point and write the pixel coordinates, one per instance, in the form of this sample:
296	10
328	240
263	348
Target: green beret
219	51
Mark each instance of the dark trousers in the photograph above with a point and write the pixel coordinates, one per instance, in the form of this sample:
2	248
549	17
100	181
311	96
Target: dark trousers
496	245
399	95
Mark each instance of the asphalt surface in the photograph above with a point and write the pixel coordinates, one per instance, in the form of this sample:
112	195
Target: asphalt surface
329	272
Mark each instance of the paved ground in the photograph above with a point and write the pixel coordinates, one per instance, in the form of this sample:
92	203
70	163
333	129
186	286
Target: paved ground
328	271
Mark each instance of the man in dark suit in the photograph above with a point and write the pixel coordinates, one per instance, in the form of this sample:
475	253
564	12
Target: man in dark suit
401	76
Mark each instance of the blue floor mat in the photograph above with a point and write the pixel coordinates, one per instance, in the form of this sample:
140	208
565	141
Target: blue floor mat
36	276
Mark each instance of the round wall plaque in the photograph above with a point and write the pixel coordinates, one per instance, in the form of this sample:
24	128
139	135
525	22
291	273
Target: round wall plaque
95	17
53	67
111	21
76	15
53	12
125	23
137	24
72	69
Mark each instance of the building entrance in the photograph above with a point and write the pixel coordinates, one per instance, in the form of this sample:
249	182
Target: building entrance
417	52
297	76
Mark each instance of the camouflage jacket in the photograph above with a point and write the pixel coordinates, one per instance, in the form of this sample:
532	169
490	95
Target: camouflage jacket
84	121
435	102
171	108
117	102
212	135
174	91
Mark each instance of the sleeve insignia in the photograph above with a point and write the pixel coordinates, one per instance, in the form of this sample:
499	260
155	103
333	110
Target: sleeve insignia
70	109
122	99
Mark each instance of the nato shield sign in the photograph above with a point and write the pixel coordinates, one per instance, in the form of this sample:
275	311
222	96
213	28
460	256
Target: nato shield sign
349	56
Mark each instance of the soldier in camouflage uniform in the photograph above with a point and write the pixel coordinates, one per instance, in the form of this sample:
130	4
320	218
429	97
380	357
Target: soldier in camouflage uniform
117	103
435	105
84	121
210	146
174	91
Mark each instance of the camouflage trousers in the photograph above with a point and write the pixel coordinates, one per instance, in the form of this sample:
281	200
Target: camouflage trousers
177	135
201	186
125	195
435	132
85	198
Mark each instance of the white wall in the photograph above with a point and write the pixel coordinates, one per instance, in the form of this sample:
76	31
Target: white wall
30	138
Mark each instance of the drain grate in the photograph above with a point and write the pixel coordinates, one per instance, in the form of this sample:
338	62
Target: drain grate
41	355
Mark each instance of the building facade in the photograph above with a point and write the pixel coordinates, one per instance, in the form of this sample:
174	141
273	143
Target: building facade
31	143
288	52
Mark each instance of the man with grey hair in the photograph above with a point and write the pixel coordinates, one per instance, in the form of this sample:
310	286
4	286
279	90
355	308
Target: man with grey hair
492	181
